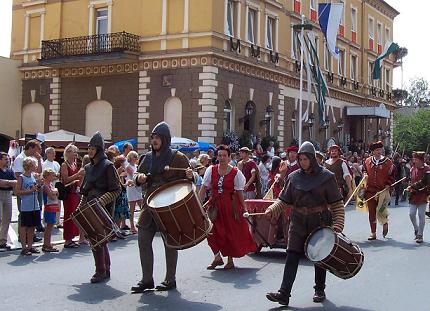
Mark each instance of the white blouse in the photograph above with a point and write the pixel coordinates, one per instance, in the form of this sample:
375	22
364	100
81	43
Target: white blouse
239	179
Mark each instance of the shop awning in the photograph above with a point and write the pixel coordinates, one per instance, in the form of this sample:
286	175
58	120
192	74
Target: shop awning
377	112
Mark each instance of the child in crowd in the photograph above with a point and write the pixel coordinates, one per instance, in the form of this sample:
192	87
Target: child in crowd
52	207
121	212
27	190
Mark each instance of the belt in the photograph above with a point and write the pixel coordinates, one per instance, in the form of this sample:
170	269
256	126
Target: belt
2	189
310	210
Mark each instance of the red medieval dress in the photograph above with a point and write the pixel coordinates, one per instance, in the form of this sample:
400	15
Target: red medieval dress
70	204
230	235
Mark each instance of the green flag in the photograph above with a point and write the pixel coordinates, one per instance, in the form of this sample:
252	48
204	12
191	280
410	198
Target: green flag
390	47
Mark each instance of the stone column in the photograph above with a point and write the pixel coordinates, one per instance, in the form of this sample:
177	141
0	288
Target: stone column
142	113
207	114
54	107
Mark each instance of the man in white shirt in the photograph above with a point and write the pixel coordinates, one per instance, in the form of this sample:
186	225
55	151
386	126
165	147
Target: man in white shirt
50	161
341	171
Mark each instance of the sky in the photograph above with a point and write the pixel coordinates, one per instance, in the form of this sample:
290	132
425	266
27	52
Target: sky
410	31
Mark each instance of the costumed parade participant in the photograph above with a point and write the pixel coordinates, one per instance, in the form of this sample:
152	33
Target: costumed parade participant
418	196
340	170
381	175
291	165
230	234
250	170
315	201
100	182
151	174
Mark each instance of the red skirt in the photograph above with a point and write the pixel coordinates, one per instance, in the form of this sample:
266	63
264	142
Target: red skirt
70	230
230	236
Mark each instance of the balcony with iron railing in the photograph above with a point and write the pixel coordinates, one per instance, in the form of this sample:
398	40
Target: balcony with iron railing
88	48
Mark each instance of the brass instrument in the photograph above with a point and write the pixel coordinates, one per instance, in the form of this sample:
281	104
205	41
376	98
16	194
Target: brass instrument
360	204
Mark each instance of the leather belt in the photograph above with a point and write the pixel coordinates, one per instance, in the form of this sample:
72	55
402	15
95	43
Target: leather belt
310	210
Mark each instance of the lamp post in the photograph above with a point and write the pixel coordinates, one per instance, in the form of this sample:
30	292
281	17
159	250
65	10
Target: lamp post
268	117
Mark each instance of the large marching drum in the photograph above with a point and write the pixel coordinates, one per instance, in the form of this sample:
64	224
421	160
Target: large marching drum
179	214
334	252
94	221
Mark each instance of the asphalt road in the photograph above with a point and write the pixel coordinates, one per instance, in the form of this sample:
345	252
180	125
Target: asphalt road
394	277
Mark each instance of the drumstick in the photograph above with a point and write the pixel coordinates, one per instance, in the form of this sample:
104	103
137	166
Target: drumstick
170	168
246	214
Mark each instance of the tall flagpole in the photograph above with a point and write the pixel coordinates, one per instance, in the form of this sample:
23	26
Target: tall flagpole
301	81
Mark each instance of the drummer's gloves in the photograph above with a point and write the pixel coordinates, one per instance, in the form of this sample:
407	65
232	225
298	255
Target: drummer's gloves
109	197
338	214
277	208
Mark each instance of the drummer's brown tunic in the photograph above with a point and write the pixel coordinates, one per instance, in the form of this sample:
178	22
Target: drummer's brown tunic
179	161
321	206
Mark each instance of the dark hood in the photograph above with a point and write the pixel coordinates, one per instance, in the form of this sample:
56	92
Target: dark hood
318	175
98	142
153	163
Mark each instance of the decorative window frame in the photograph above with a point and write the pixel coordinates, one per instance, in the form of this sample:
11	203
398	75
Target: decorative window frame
275	36
356	78
256	27
98	4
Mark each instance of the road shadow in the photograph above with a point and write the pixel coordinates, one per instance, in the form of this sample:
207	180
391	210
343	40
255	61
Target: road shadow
327	305
270	256
172	300
94	293
387	243
241	278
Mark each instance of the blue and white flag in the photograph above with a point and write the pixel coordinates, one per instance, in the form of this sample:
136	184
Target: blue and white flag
329	16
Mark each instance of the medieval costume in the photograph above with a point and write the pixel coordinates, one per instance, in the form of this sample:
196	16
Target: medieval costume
153	169
230	234
313	195
101	182
418	197
252	175
292	164
340	169
381	175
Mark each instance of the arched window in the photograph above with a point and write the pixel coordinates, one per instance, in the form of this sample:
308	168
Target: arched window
228	117
98	117
173	115
33	119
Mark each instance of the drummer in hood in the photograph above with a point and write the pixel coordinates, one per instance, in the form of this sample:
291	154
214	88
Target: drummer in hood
102	183
315	200
152	173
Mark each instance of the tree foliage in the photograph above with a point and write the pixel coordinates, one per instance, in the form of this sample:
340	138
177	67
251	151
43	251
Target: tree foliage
412	132
418	93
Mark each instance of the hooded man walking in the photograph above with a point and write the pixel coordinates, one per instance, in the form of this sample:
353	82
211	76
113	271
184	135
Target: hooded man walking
151	174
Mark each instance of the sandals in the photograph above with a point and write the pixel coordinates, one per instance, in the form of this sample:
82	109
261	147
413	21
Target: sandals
229	265
49	249
71	245
34	250
372	237
25	252
215	264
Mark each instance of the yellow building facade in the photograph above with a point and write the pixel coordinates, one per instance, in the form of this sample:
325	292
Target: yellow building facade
204	66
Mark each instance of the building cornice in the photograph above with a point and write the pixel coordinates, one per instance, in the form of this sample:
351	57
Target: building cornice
383	7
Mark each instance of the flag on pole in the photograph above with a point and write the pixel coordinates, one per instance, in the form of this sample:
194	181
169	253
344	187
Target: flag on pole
320	85
389	48
329	16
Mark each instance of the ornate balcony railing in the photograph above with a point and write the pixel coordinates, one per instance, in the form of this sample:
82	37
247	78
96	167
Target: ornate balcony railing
90	45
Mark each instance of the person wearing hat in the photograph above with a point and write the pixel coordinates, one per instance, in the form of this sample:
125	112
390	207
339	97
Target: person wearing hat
249	168
315	201
381	175
320	157
418	197
151	174
100	182
339	168
291	165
